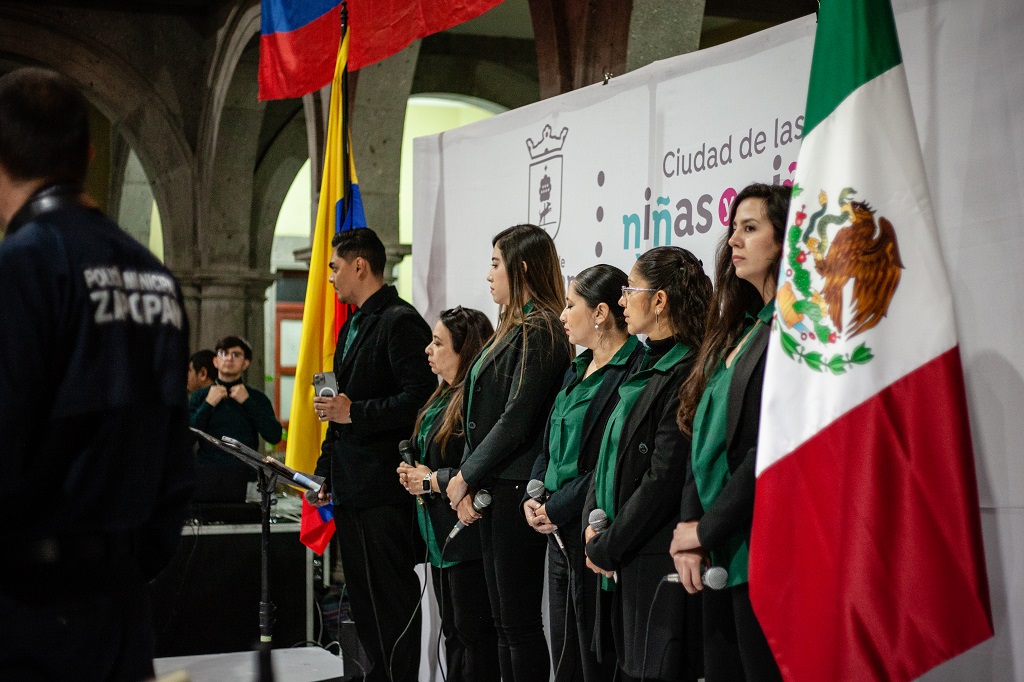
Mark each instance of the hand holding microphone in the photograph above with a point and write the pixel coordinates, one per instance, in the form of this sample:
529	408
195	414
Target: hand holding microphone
536	490
409	474
597	523
480	502
713	577
691	561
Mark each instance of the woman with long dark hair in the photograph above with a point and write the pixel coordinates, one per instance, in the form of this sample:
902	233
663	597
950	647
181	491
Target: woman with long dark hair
720	407
593	319
511	386
640	472
471	645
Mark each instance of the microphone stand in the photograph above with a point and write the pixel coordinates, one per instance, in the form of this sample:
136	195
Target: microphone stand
267	471
266	482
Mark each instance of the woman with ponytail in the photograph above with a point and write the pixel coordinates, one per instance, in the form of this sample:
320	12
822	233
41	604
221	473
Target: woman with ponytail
720	407
471	646
593	319
510	389
640	472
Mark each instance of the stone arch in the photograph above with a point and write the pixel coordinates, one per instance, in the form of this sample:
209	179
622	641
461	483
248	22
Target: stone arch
275	172
129	102
474	77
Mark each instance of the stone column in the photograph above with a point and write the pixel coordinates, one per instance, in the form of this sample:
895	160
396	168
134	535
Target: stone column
659	29
378	123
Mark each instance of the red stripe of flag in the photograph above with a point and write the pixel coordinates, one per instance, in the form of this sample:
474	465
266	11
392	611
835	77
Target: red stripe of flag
878	506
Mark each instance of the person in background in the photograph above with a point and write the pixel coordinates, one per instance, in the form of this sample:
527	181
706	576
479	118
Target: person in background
641	469
511	386
96	463
471	644
230	407
720	407
592	319
201	370
384	380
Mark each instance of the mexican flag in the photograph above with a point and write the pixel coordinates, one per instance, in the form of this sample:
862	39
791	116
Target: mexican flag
866	558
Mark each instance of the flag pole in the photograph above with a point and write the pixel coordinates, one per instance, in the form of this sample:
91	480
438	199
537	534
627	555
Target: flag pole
345	151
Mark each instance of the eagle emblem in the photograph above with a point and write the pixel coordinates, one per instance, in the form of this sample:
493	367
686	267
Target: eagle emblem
842	272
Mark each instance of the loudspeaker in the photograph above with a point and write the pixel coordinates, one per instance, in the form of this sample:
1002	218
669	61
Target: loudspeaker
207	600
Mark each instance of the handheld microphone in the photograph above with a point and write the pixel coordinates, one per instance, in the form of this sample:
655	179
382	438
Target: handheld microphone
598	520
480	502
538	492
408	452
714	578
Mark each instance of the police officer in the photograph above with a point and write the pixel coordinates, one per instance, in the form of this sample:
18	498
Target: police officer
95	452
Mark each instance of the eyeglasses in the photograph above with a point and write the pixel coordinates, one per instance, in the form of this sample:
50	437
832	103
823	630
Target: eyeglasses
234	355
626	291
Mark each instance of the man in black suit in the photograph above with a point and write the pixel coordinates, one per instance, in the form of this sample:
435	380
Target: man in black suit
384	379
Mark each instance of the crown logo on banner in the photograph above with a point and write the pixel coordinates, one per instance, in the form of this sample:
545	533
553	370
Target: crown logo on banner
548	142
544	201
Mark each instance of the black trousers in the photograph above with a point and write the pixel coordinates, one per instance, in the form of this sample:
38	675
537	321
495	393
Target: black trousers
513	558
71	635
377	547
470	641
572	624
735	647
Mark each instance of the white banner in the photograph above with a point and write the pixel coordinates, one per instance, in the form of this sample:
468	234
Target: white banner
655	156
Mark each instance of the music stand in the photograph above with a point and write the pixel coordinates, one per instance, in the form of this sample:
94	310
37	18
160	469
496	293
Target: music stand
268	470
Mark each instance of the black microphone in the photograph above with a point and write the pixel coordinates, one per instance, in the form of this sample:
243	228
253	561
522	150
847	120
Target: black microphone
408	452
480	502
714	578
598	521
538	492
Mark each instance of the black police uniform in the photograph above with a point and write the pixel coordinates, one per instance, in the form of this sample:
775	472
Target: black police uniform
95	465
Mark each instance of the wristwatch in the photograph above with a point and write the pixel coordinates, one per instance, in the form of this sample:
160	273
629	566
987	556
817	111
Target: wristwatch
426	482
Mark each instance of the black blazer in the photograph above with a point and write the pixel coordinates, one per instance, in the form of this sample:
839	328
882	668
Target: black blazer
388	379
466	545
505	429
733	509
651	466
565	506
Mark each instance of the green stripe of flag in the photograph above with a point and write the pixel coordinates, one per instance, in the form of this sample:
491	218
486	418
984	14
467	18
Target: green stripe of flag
855	42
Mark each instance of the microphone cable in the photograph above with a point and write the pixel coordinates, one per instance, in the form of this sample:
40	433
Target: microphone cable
440	608
647	629
415	611
568	600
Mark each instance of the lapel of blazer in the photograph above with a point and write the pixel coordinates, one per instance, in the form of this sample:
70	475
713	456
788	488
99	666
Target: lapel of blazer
741	377
643	405
639	412
366	324
609	387
498	349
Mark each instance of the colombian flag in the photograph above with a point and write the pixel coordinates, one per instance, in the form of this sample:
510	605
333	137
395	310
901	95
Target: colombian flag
297	40
322	316
316	526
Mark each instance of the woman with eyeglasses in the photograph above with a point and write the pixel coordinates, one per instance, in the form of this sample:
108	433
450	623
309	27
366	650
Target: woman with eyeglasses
511	386
592	319
471	645
640	472
720	408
